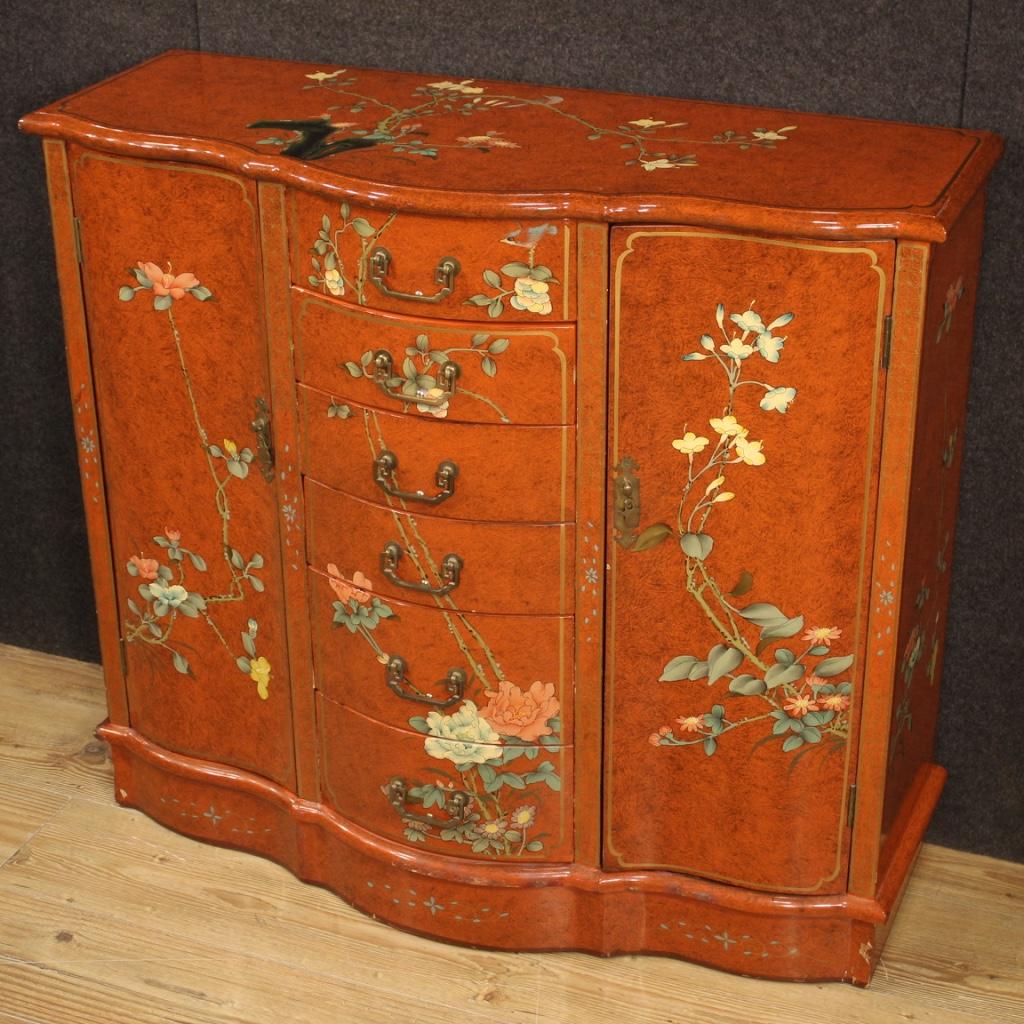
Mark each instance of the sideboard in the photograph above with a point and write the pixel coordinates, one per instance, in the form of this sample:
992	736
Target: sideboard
526	512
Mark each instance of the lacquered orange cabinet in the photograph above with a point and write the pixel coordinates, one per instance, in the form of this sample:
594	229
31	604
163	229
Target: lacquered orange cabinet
526	513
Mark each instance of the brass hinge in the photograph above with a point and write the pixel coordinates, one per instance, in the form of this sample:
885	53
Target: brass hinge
851	805
887	342
77	227
122	651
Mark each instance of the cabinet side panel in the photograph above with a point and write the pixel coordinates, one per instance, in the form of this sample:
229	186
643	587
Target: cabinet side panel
931	512
83	401
172	293
745	388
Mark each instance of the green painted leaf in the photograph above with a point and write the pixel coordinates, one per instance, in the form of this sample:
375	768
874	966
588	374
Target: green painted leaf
180	662
819	649
495	308
699	670
489	366
478	339
747	685
762	614
779	630
244	665
498	346
541	274
809	734
722	662
236	558
492	278
162	302
652	536
250	647
743	585
677	669
325	221
478	300
784	656
419	724
126	293
777	675
362	227
534	846
710	745
696	545
198	561
201	292
257	584
515	269
833	666
514	781
791	743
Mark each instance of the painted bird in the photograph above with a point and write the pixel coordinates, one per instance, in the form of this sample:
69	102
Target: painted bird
529	238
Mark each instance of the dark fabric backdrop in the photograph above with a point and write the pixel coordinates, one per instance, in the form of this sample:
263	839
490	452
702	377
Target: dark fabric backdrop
953	62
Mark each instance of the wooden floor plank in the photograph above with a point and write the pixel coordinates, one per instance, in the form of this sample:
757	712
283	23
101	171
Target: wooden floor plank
106	915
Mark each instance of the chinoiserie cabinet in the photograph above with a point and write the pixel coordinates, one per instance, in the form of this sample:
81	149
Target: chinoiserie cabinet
527	514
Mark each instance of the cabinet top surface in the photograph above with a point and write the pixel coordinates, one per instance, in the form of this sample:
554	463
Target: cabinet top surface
453	145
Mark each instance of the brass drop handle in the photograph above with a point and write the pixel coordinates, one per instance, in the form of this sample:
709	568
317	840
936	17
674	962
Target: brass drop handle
457	803
451	571
454	682
264	440
444	275
627	502
387	380
385	466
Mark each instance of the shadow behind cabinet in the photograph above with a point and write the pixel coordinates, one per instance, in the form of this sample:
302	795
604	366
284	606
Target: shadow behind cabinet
568	578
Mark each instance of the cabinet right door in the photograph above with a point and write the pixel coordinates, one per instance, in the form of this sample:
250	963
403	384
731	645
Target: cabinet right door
745	405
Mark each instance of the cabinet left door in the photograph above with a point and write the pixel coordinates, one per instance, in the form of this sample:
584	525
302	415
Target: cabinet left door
170	258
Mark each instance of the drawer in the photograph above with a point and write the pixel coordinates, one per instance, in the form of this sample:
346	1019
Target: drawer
512	568
460	470
453	787
505	375
448	267
520	667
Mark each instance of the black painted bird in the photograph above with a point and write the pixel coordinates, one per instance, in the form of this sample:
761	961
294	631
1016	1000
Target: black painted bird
311	143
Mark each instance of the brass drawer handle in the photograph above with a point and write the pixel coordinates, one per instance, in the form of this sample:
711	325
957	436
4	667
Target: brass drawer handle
454	682
387	380
627	502
385	465
264	441
451	571
444	275
457	803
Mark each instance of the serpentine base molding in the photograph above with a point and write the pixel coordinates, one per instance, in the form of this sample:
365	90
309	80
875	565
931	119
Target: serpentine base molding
523	908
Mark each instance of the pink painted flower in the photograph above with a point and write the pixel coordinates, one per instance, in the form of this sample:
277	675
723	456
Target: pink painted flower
800	705
823	635
359	587
836	702
147	566
524	715
655	738
172	535
174	285
691	723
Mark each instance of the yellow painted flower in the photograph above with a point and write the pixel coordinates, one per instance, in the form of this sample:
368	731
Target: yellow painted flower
259	673
690	443
230	447
727	427
749	451
532	296
333	281
523	817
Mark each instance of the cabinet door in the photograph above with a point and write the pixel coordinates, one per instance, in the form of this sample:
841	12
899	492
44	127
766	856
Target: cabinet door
743	445
171	283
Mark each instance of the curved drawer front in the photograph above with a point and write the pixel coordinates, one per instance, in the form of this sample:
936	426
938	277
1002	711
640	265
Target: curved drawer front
512	568
455	786
504	374
491	270
393	661
457	470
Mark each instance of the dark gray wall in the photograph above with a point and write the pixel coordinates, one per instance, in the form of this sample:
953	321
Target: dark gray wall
941	61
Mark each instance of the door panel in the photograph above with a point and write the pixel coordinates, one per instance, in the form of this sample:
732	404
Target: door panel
744	400
174	312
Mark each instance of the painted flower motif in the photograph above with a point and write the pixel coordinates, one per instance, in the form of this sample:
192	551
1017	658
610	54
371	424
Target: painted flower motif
887	597
231	448
532	296
822	635
737	350
432	409
465	87
147	567
172	535
334	282
325	76
665	163
727	426
174	285
690	443
800	705
778	399
769	345
259	673
691	723
656	737
748	321
523	817
761	135
749	451
492	140
837	702
646	122
359	588
492	829
523	715
460	738
166	597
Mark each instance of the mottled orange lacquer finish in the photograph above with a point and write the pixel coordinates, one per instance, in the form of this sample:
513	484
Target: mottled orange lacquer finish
700	371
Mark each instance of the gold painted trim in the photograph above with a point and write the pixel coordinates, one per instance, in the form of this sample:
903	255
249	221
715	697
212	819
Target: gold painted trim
866	522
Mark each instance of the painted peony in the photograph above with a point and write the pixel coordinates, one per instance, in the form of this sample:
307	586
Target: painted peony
523	715
147	567
174	285
464	738
358	588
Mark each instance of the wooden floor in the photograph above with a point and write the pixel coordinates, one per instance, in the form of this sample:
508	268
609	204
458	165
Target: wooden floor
108	918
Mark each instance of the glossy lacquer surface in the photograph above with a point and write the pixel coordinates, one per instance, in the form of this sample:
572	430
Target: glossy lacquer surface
744	411
193	521
526	150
